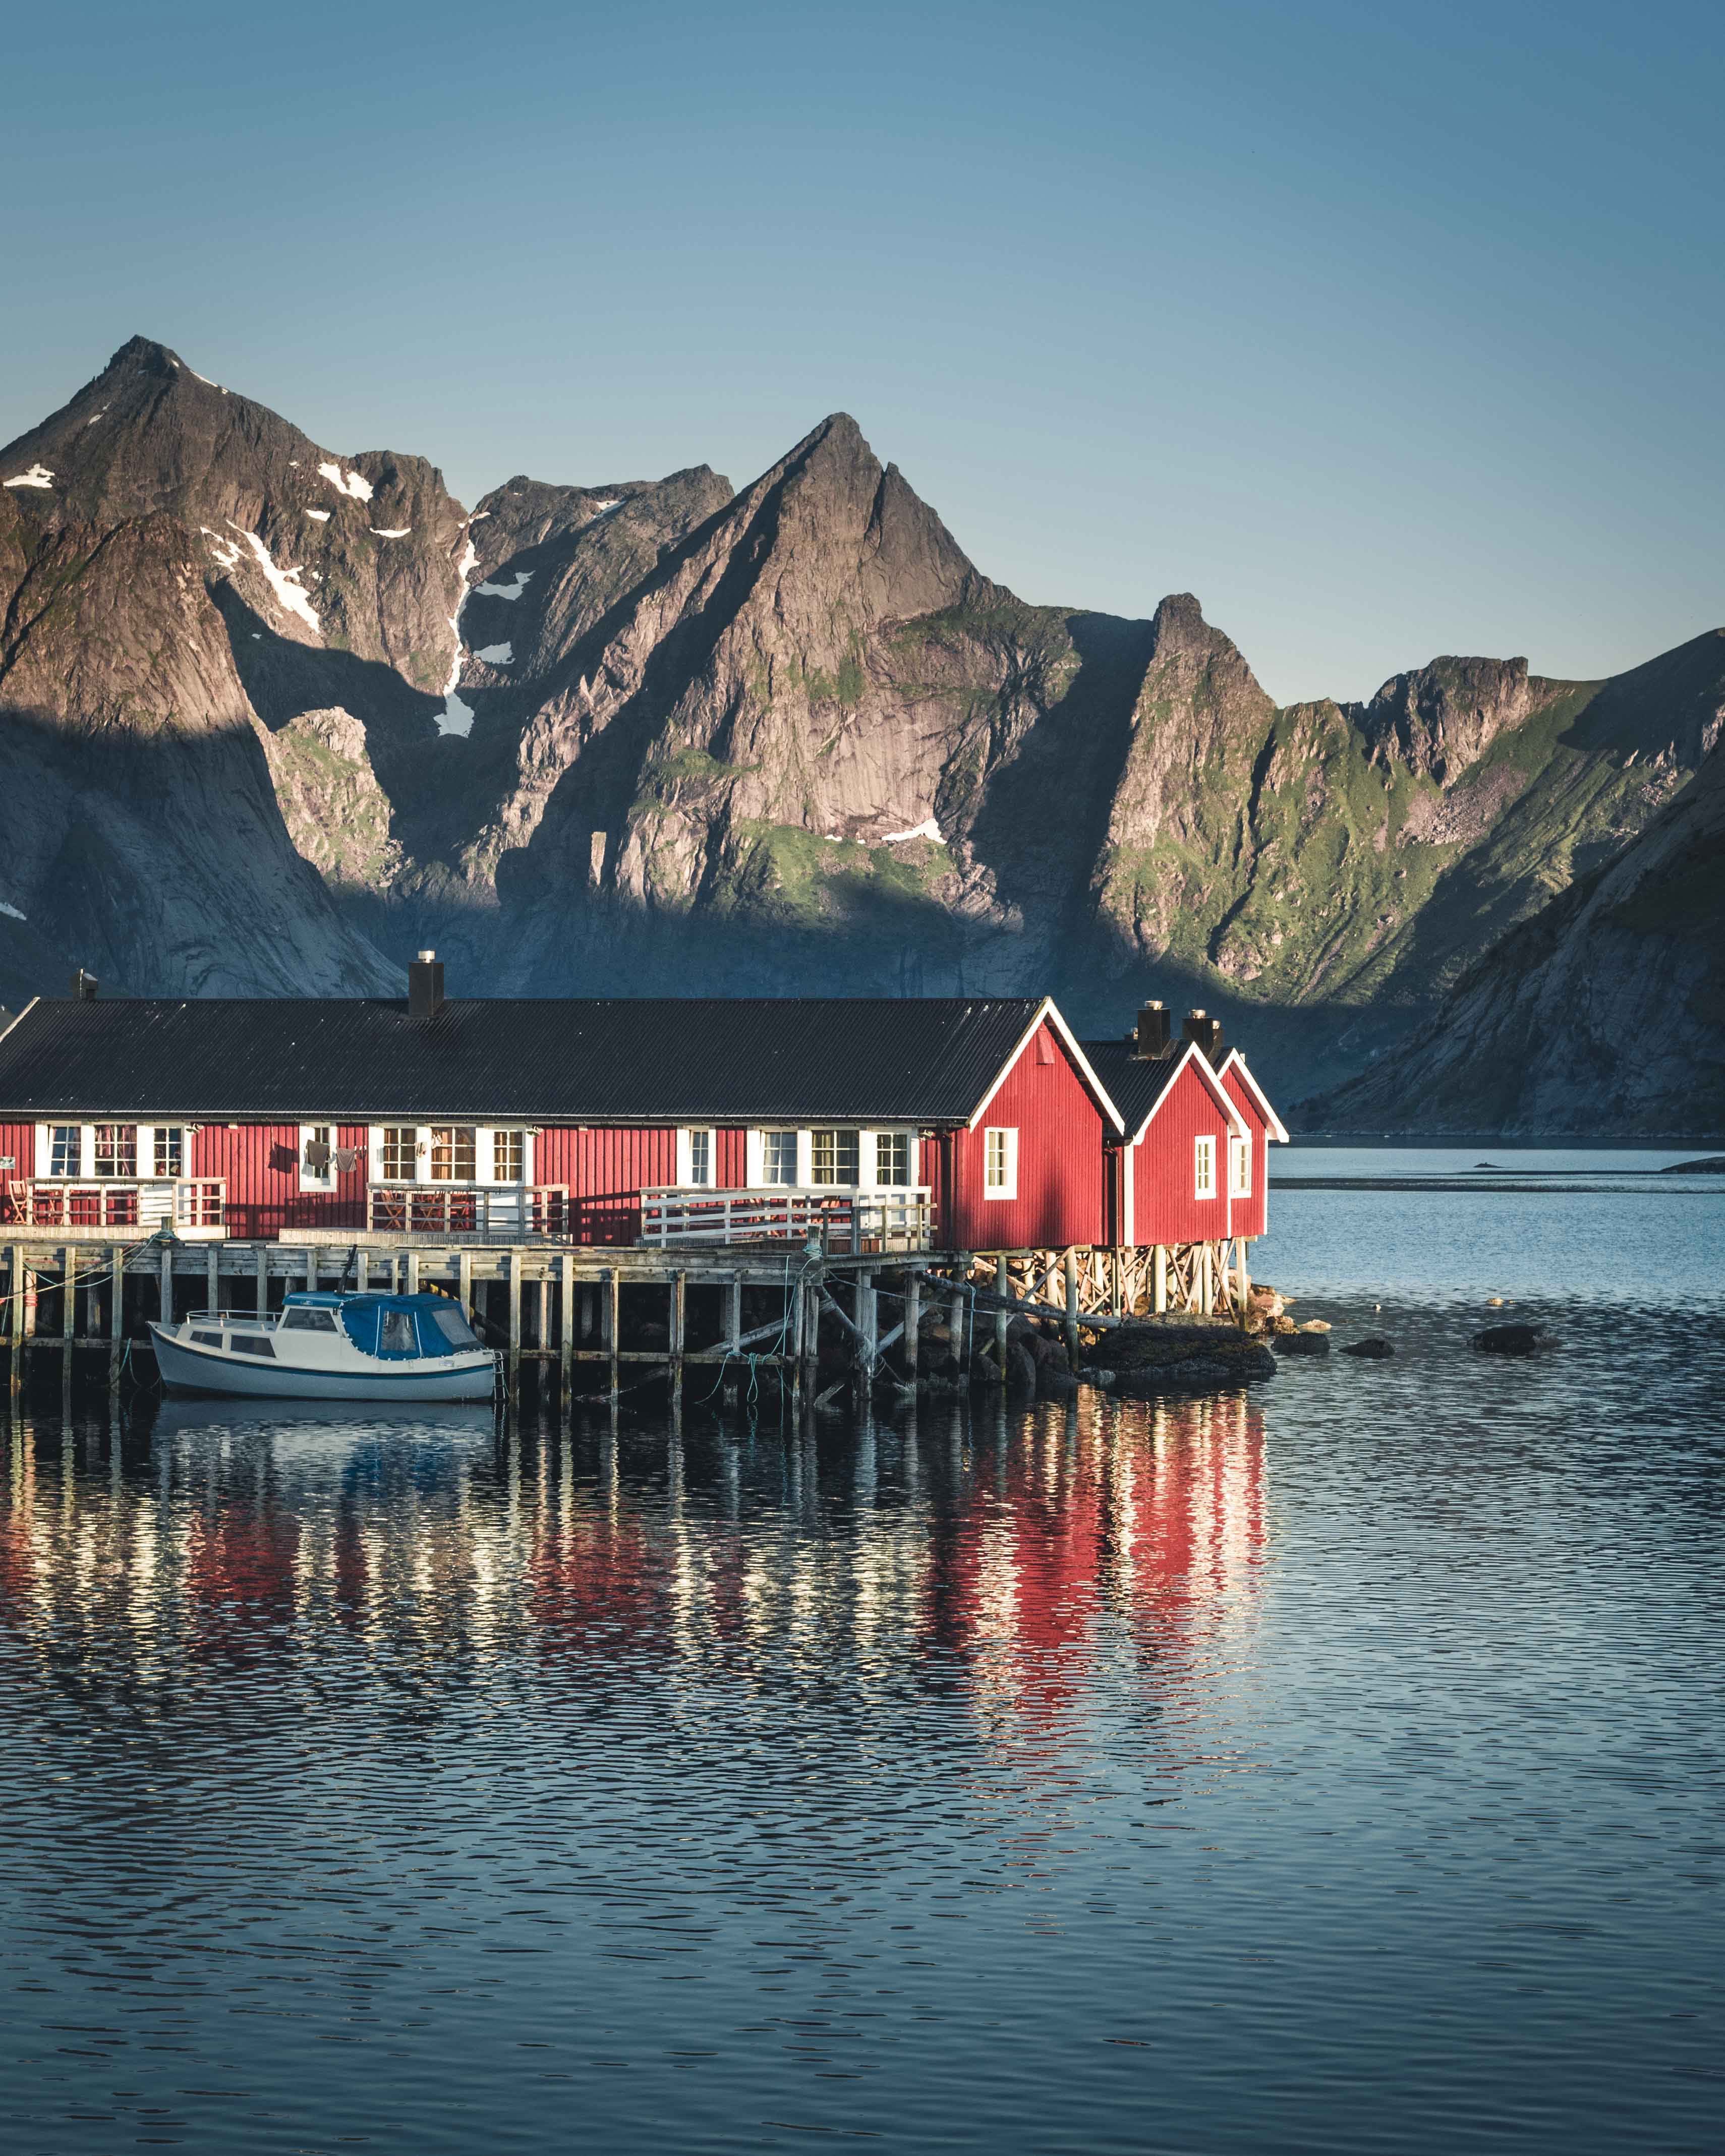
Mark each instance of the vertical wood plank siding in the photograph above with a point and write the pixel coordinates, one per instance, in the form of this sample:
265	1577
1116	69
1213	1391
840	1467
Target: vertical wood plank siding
1164	1209
1061	1163
606	1171
731	1158
1251	1214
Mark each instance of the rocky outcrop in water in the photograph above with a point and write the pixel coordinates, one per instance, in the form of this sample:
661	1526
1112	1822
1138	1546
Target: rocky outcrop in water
278	715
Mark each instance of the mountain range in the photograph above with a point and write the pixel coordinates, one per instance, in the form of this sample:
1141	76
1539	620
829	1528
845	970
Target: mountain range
273	716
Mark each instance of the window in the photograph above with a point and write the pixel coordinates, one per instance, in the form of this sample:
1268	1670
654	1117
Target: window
395	1333
206	1339
1000	1163
309	1321
835	1156
779	1157
65	1150
170	1152
508	1155
892	1159
251	1343
454	1152
1204	1167
698	1157
400	1151
316	1157
116	1149
1239	1167
455	1329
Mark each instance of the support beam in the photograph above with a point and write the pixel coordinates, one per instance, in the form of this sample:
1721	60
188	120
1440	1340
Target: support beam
464	1284
166	1316
913	1319
213	1277
1071	1266
410	1259
116	1316
1158	1300
1207	1281
68	1297
613	1326
678	1311
263	1280
955	1321
15	1319
1242	1280
513	1259
566	1317
1002	1286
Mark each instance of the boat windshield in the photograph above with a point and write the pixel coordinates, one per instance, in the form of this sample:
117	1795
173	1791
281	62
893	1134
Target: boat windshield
455	1329
395	1333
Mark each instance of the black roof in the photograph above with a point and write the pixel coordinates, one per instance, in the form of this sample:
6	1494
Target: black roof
1133	1084
617	1060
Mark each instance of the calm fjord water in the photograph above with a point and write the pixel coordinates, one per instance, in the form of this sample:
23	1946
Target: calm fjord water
1334	1770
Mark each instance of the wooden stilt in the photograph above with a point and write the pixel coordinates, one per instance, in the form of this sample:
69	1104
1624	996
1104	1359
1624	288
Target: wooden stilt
116	1316
613	1327
213	1277
1242	1280
166	1312
464	1283
1072	1266
678	1310
566	1317
1158	1300
513	1260
15	1320
410	1260
913	1319
1002	1286
263	1280
955	1322
1206	1281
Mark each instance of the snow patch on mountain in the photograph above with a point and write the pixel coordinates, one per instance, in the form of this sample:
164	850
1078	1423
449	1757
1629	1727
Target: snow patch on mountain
288	592
456	716
319	515
37	475
496	654
523	578
928	828
354	484
398	531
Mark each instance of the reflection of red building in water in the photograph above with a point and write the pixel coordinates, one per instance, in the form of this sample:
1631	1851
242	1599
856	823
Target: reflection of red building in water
1154	1518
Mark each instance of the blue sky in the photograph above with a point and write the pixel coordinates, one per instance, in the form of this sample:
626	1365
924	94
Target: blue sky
1387	331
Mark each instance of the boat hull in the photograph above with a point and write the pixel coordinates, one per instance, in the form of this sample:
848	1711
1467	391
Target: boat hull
187	1369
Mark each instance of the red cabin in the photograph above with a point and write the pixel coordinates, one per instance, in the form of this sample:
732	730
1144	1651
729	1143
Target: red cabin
956	1122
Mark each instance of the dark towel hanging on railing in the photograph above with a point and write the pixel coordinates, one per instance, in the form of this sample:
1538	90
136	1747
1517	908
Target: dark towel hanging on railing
317	1156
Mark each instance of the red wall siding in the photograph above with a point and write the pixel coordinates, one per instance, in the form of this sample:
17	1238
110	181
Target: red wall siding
19	1140
1060	1163
731	1158
1163	1209
605	1171
1250	1212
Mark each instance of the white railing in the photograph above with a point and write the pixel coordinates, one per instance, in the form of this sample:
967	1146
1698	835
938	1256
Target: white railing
193	1202
495	1213
842	1220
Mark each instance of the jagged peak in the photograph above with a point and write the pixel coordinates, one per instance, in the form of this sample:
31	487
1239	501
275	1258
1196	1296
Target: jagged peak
145	352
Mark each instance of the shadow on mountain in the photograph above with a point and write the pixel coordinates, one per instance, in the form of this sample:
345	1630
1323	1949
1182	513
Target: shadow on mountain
161	861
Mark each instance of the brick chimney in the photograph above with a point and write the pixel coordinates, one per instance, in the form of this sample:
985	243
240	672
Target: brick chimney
425	985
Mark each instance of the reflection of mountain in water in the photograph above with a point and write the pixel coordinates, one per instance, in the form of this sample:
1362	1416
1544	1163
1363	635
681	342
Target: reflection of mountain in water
1006	1557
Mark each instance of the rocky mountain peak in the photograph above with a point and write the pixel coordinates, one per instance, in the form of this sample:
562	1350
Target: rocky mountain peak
1440	719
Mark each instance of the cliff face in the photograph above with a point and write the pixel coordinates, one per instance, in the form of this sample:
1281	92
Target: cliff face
279	716
1606	1013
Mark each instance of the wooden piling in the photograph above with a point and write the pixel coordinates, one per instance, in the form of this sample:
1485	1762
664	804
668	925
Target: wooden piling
1071	1266
69	1298
1002	1286
263	1280
15	1326
613	1327
913	1319
513	1260
678	1311
566	1317
117	1314
1159	1295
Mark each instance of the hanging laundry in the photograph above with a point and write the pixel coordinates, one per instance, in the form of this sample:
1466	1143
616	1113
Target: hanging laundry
317	1156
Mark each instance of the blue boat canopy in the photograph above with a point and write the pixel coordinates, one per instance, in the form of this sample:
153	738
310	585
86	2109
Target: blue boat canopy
395	1328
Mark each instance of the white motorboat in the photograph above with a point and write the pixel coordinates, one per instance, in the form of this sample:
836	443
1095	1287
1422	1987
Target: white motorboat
331	1347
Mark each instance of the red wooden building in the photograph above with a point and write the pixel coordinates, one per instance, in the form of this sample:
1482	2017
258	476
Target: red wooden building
976	1124
954	1123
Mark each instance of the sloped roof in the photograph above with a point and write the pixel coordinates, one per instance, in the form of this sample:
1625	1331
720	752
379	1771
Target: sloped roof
617	1061
1138	1085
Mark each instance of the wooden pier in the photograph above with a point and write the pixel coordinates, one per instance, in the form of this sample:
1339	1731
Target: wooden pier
620	1315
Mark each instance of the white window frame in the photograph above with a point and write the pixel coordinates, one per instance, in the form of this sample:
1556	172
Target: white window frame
310	1180
485	1155
870	1137
1240	1166
685	1156
153	1131
44	1152
757	1161
1204	1169
1008	1187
